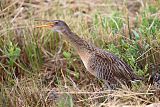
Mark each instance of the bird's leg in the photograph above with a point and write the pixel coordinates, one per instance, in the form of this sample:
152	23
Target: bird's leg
109	87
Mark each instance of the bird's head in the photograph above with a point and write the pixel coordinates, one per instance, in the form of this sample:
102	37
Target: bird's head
56	25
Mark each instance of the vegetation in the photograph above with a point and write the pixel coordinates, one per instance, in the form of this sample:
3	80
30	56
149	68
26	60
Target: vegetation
38	68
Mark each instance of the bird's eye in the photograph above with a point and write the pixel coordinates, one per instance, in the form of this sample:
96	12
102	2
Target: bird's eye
55	23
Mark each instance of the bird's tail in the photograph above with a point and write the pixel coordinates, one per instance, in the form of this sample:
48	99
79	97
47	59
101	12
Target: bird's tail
137	79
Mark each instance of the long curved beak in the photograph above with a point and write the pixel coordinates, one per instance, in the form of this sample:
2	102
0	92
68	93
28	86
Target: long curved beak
50	24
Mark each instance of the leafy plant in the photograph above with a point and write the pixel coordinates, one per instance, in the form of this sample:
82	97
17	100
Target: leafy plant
12	52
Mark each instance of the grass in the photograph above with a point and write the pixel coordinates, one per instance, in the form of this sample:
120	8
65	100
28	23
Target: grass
38	68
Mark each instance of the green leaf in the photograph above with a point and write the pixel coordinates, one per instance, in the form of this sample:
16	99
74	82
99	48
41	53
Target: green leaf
12	52
67	54
137	37
104	22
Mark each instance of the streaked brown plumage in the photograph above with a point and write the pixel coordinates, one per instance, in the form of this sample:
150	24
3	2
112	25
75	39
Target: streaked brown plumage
98	62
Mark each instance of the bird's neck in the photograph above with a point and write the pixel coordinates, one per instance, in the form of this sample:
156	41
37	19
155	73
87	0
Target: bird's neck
72	37
75	40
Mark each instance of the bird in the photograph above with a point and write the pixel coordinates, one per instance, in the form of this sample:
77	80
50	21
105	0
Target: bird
99	62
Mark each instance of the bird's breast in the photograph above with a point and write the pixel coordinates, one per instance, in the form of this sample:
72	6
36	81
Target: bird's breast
84	57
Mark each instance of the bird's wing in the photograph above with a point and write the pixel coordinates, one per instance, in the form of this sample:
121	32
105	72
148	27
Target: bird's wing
109	67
